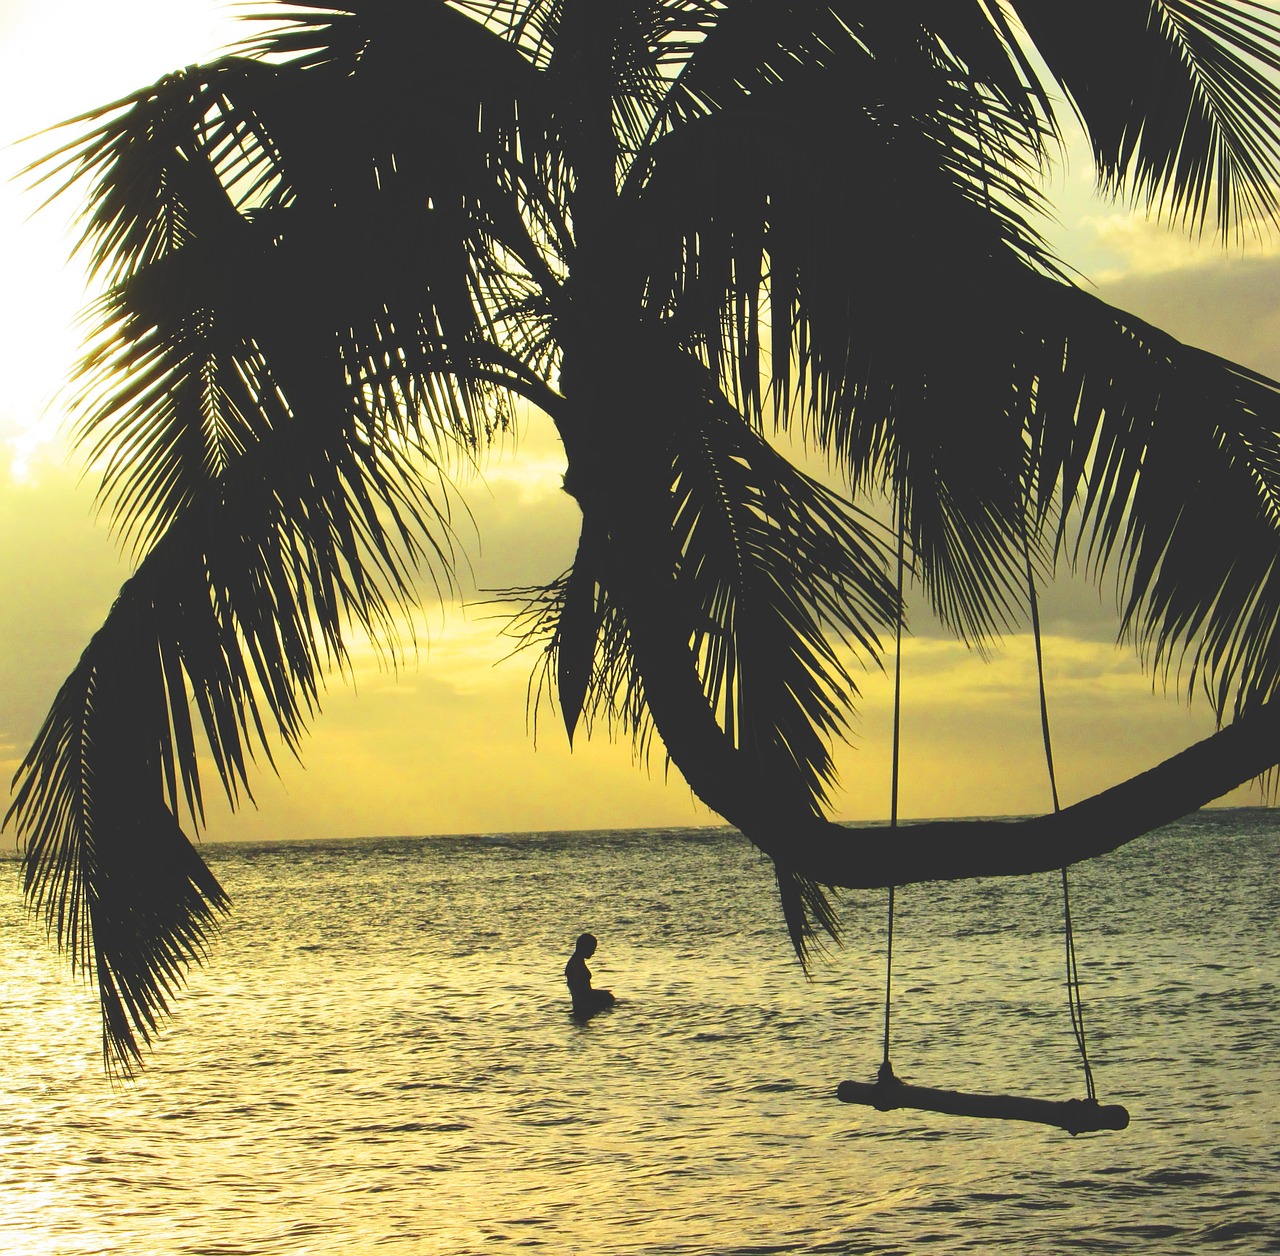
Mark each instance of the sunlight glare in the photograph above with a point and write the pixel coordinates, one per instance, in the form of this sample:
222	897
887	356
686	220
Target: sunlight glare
56	61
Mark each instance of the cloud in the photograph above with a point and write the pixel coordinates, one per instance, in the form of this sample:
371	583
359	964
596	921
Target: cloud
1231	308
1131	244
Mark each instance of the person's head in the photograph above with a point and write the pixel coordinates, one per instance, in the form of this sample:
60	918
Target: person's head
586	946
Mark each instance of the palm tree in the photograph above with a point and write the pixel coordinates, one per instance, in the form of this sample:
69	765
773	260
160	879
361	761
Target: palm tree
333	260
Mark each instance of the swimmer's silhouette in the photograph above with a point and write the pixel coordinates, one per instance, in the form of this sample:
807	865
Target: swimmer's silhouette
586	1001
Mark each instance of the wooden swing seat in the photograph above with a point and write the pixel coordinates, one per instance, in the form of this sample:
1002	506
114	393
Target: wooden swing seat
1076	1116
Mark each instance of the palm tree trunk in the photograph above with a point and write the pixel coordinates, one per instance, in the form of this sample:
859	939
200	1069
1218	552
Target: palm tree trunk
611	433
785	826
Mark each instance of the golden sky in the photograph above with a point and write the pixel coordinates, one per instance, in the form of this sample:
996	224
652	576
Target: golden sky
443	747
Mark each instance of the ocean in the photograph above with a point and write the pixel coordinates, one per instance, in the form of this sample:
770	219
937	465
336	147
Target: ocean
378	1057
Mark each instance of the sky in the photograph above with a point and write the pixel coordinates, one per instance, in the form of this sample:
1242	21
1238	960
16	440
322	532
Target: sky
445	744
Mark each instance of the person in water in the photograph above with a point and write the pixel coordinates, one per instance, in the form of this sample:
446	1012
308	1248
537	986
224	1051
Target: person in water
586	1001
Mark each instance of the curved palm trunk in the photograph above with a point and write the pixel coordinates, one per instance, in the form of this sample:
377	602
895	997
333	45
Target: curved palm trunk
622	506
789	831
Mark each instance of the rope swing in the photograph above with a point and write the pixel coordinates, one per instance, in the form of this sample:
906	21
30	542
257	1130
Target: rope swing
1076	1116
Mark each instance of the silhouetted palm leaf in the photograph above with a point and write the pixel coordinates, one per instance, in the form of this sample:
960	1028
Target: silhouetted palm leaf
1180	99
259	394
1172	475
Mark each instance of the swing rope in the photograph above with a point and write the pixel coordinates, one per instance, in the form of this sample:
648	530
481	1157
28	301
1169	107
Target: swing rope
886	1069
1074	1001
887	1092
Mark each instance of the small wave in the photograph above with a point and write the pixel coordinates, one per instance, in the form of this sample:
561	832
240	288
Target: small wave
1178	1177
1229	1231
413	1127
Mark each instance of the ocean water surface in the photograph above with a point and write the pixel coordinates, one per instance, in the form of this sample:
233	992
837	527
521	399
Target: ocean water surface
379	1058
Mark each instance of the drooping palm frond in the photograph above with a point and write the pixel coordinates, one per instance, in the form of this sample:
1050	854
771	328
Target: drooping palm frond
277	366
780	583
778	572
585	666
389	252
238	611
1169	465
168	386
1180	99
866	251
809	912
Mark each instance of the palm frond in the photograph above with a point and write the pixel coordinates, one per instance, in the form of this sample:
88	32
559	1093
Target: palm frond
808	913
777	572
237	611
777	576
409	274
1169	463
753	226
269	389
1180	100
756	44
121	889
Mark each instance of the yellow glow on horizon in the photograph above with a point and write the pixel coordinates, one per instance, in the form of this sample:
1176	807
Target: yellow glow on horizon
971	741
